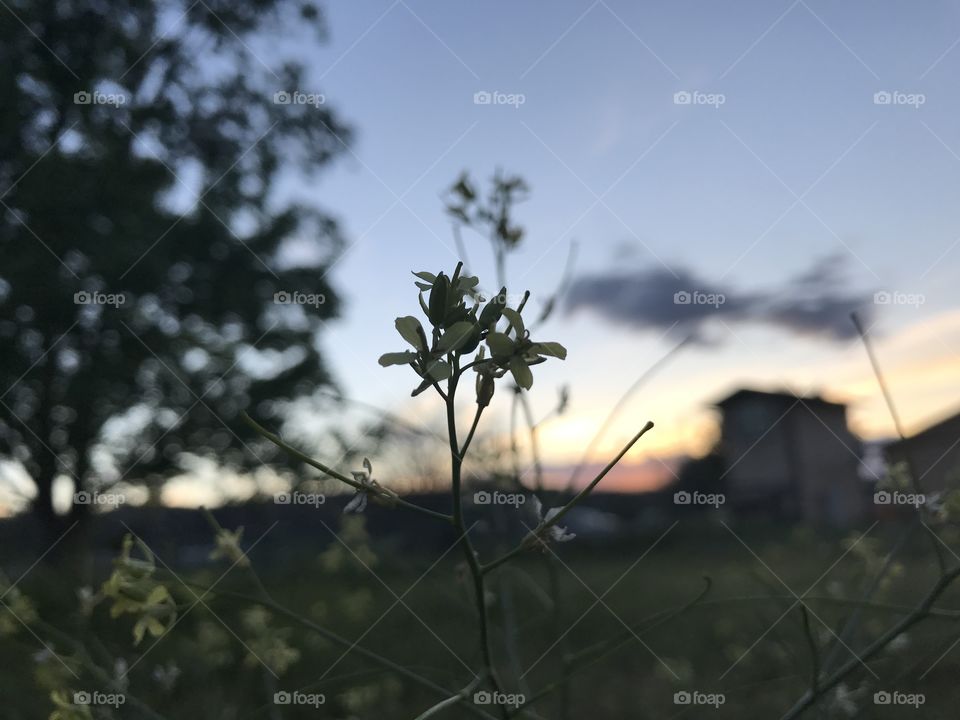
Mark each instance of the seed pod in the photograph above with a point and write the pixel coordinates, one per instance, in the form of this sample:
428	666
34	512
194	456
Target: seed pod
485	388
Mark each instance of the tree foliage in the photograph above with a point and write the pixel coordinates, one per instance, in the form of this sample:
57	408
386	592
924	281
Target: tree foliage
149	275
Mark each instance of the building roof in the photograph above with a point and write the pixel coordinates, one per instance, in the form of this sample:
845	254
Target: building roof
936	426
778	396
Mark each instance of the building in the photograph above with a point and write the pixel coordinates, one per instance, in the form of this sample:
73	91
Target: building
934	454
792	457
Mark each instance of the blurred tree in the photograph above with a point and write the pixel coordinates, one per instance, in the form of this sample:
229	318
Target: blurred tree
148	272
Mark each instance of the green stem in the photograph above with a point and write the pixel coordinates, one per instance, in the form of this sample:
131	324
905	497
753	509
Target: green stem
476	572
451	701
523	546
338	640
302	457
919	613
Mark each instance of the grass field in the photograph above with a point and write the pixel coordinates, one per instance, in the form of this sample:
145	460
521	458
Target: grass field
744	639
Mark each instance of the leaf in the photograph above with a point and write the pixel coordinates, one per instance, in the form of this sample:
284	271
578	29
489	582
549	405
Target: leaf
550	349
455	337
521	373
409	328
439	370
500	345
397	358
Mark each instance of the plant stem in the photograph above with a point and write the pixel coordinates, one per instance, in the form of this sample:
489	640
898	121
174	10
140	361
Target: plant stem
919	613
570	505
338	640
302	457
476	572
451	701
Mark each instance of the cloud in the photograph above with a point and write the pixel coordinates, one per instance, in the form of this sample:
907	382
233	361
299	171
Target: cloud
816	303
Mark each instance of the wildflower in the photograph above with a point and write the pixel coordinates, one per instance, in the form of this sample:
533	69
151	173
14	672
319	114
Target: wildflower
166	675
369	486
135	591
66	709
17	610
545	533
228	547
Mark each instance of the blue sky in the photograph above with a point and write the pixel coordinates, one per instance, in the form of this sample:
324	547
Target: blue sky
797	165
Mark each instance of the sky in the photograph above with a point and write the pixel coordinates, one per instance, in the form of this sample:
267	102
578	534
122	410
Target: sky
815	165
780	164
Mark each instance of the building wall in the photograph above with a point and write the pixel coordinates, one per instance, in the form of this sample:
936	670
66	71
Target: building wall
936	455
802	459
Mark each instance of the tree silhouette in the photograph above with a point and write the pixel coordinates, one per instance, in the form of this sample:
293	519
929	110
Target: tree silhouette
148	291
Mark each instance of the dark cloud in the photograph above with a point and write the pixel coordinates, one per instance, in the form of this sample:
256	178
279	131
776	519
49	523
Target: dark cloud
816	303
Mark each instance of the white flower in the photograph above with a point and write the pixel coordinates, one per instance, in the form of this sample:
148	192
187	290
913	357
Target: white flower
553	533
369	486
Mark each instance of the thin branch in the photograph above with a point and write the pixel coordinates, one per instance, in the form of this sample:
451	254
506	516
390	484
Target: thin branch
814	652
452	700
386	495
615	410
908	456
921	612
338	640
569	506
